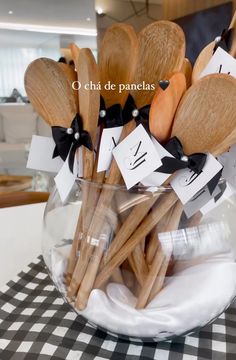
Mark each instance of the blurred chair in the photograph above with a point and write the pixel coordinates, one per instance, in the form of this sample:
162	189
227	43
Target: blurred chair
22	198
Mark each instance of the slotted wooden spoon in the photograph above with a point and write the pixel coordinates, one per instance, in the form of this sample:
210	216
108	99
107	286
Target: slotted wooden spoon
161	51
198	115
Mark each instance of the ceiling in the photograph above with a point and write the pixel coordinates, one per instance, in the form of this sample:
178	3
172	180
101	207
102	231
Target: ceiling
54	13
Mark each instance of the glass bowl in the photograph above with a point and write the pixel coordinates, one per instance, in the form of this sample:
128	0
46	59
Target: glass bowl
133	263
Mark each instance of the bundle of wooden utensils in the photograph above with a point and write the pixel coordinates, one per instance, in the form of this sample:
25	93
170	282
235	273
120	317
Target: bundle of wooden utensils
142	81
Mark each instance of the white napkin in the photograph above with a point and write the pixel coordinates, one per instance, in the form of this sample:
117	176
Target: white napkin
198	292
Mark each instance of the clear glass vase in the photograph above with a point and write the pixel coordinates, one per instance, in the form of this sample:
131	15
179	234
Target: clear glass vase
131	262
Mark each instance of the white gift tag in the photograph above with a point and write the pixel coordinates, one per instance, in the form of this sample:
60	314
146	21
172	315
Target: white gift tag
65	179
40	155
109	140
199	200
228	160
157	178
221	62
136	156
229	191
186	183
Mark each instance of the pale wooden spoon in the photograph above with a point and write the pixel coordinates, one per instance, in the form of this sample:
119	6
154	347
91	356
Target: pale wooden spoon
50	92
72	77
198	115
161	51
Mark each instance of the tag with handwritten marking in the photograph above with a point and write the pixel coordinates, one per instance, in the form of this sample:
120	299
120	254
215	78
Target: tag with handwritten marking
136	157
222	63
109	140
187	183
229	191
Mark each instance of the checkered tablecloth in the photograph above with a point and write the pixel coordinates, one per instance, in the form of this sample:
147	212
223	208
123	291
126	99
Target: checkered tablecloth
35	323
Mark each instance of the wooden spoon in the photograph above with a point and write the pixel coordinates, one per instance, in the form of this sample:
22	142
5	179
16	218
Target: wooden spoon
161	51
164	106
89	99
72	77
198	115
50	92
117	64
206	54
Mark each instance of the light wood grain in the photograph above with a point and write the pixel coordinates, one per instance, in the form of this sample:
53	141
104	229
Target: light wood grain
118	56
71	75
50	92
159	261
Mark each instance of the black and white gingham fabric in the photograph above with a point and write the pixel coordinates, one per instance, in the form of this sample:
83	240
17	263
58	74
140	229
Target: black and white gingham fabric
36	324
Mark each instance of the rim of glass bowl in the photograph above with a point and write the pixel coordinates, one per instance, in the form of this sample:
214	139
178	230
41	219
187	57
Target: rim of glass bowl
134	189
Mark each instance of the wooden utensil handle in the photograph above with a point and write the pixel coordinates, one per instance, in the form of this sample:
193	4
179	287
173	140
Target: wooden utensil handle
159	210
133	220
160	264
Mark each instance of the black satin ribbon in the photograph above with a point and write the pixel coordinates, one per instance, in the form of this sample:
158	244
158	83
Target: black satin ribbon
195	162
226	40
67	143
143	113
113	115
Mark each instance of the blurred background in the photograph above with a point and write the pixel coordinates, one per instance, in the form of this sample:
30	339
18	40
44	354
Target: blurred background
30	29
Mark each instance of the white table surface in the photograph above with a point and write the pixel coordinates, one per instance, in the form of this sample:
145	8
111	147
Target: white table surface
20	238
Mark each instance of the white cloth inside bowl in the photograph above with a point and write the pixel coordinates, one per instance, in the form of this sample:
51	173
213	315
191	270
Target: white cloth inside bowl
198	292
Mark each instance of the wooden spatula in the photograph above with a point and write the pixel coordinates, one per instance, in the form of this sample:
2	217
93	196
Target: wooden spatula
198	115
89	99
206	54
116	65
154	63
50	92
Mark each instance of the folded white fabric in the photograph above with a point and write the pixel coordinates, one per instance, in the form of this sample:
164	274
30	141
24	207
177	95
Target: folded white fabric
198	292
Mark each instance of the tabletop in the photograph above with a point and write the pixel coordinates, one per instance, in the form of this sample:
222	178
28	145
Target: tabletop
20	238
35	323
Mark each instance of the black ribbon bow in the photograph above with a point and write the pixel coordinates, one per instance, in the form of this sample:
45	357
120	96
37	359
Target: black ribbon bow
68	140
141	115
110	117
194	162
226	40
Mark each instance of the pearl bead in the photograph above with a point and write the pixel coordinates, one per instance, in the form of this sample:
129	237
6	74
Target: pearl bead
184	158
69	131
217	39
102	113
135	113
76	136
